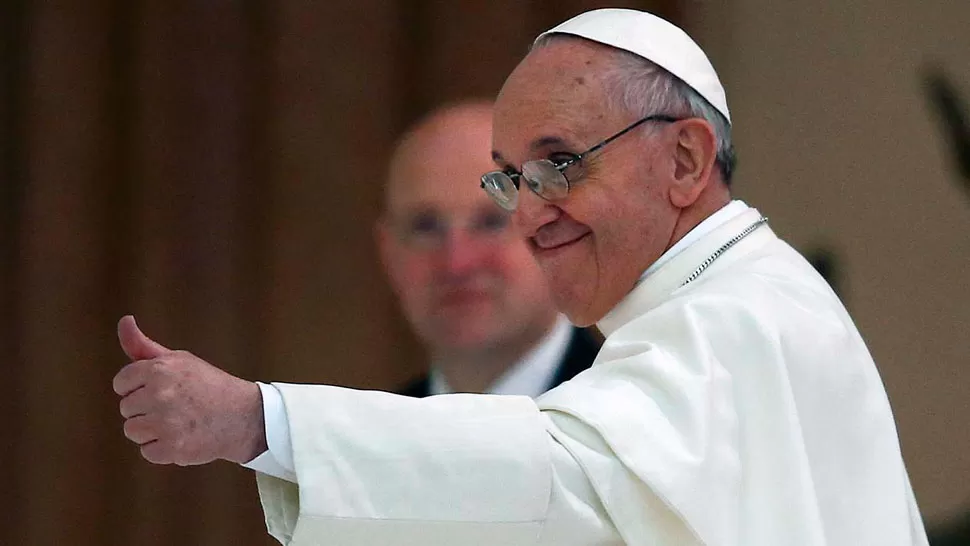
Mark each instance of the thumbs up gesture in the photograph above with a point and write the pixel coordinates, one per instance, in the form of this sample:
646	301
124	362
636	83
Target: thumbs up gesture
180	409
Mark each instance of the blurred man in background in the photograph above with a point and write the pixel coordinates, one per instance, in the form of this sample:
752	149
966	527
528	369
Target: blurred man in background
466	281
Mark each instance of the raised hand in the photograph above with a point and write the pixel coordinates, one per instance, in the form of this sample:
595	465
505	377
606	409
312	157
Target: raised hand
180	409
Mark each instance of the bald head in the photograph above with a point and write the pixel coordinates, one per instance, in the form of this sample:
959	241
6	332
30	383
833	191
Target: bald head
450	144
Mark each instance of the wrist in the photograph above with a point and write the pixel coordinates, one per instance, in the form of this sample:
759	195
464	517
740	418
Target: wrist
251	440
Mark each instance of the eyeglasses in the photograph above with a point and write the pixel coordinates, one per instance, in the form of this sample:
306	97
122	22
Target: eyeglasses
545	177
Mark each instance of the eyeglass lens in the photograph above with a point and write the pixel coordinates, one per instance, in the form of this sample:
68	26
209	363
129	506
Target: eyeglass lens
542	177
501	189
545	179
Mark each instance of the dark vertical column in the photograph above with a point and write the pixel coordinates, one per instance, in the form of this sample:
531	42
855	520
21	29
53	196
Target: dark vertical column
336	113
65	338
13	61
194	194
117	157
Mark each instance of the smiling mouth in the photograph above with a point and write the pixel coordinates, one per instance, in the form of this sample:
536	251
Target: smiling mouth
542	249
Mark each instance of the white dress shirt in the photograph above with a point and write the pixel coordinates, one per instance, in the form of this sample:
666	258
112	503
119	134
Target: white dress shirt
531	375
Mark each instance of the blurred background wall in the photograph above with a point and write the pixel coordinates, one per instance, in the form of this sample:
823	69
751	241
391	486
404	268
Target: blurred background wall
215	168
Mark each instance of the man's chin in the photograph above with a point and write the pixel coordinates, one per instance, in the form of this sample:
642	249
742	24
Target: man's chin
468	335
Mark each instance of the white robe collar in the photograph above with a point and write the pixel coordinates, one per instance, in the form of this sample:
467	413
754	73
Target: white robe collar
723	215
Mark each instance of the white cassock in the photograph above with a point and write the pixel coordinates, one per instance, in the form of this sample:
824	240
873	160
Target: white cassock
740	409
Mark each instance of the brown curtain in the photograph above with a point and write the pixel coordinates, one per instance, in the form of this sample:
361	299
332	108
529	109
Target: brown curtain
214	168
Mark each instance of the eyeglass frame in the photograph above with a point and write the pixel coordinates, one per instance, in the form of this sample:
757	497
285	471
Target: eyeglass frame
514	175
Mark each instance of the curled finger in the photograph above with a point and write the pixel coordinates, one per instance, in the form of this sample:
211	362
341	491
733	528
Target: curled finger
140	429
135	403
156	452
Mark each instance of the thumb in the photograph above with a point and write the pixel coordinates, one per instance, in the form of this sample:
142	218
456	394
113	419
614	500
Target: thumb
136	344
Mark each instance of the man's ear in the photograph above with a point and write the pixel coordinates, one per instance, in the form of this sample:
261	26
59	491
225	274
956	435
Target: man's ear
695	152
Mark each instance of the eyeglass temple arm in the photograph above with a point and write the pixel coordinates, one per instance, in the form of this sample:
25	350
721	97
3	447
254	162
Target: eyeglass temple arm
669	119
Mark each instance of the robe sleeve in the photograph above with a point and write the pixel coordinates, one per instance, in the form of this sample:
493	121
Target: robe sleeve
379	469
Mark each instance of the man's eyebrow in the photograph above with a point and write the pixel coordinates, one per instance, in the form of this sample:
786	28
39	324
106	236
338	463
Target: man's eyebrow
545	141
537	144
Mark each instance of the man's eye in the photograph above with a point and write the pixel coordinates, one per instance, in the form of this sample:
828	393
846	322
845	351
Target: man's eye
560	158
424	224
493	222
574	169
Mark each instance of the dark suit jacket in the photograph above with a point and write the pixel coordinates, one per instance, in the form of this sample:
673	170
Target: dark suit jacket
582	349
952	533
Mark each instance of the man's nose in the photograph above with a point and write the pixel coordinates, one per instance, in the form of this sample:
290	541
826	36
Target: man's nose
533	212
463	253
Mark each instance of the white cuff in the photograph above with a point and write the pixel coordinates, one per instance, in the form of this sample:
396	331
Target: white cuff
277	461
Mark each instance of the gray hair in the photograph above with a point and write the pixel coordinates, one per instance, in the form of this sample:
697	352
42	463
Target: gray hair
642	88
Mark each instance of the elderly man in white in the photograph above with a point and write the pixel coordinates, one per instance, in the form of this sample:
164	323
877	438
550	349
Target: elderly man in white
733	402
